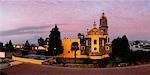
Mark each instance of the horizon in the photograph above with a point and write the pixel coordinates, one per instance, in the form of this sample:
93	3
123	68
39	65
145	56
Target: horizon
30	20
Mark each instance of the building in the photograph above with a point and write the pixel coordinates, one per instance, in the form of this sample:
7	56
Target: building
18	46
93	45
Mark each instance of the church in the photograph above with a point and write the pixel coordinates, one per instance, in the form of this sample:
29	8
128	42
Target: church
92	45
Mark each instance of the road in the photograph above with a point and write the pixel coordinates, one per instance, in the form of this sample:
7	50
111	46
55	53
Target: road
32	69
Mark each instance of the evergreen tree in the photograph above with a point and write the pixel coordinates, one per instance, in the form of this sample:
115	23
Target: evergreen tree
27	45
121	49
9	46
55	47
41	41
10	43
126	47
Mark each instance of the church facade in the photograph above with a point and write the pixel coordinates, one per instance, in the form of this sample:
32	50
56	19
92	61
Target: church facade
92	45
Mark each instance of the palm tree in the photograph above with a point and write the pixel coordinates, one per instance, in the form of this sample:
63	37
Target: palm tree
75	47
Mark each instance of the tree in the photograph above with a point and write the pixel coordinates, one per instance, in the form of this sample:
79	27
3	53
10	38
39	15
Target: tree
121	49
9	46
75	47
27	45
136	42
125	48
41	41
10	43
55	47
138	55
79	35
82	40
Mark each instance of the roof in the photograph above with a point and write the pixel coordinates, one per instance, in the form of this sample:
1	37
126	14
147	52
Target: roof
93	31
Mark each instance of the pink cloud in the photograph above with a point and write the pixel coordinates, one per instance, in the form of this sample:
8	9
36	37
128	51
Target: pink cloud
129	18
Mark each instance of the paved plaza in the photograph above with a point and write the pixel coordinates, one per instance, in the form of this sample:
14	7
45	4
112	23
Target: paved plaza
32	69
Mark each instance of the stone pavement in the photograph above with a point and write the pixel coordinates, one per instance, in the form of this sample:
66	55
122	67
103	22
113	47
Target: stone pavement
32	69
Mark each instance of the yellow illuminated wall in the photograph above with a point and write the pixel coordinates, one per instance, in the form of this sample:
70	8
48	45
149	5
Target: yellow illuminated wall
68	53
95	47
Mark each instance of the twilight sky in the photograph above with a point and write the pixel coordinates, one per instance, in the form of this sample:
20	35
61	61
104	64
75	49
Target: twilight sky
22	20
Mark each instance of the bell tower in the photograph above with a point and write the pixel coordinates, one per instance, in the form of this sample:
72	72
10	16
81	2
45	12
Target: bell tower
103	27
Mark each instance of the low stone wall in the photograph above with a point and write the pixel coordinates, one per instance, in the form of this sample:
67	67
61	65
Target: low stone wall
34	61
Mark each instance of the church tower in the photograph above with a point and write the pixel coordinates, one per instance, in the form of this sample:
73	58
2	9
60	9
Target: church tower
103	27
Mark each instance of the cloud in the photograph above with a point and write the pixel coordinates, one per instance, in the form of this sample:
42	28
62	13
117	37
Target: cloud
28	30
124	17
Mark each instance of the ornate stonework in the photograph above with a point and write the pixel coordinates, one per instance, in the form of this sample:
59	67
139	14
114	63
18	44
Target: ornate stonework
94	30
103	27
